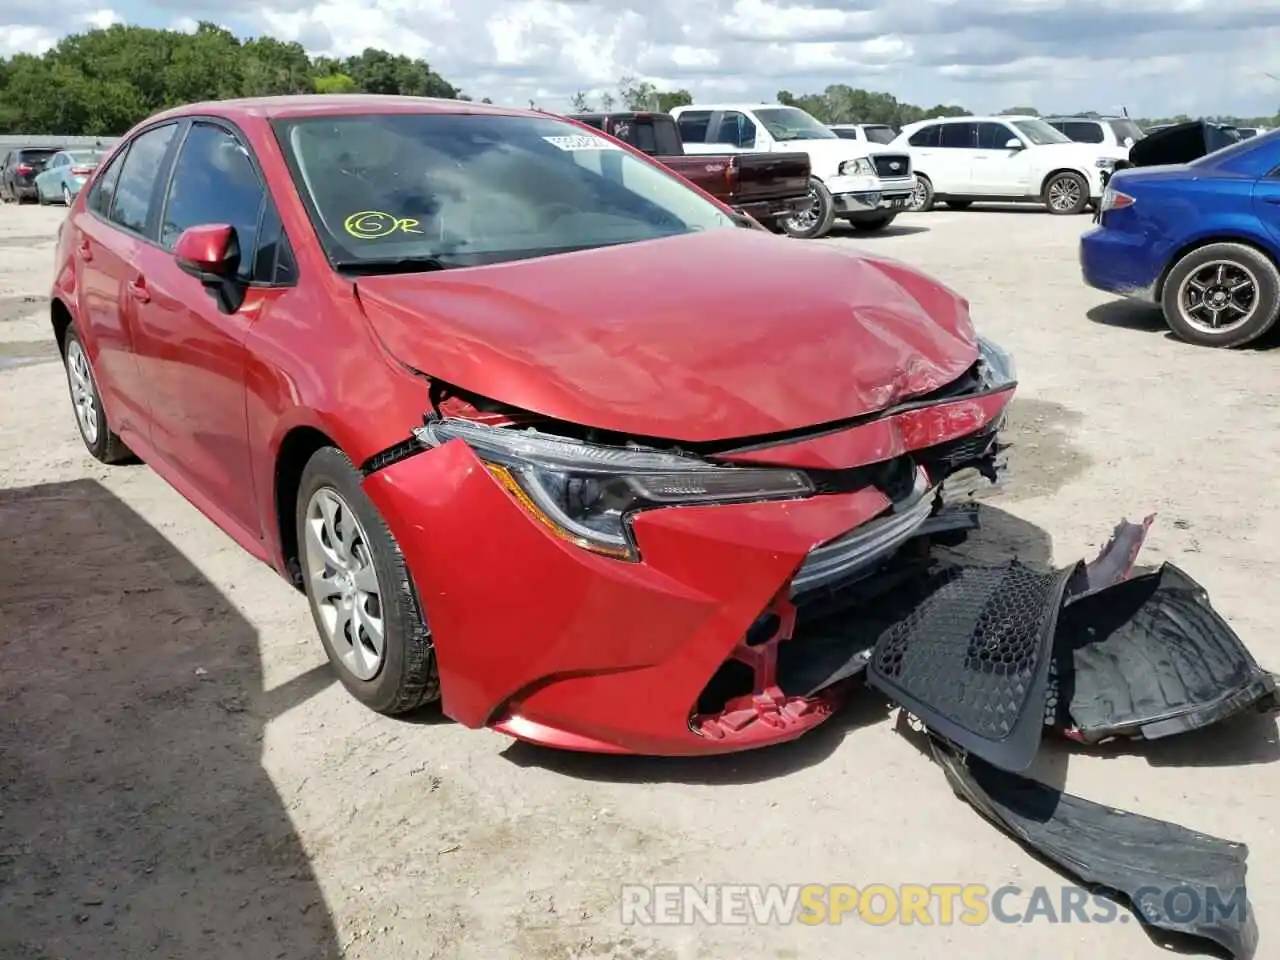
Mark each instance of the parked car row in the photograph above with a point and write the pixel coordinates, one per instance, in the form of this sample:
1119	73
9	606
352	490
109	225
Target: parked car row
46	174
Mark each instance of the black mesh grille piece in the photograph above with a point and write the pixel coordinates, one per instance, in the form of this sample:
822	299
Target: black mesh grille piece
969	653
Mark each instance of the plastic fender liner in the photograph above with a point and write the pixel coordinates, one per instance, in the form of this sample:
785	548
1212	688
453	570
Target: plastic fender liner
968	651
1174	879
1149	657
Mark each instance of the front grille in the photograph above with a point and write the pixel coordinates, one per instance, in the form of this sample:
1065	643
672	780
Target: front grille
892	165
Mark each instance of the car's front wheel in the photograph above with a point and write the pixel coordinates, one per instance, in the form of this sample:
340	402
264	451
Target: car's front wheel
67	198
1222	295
814	219
362	598
86	403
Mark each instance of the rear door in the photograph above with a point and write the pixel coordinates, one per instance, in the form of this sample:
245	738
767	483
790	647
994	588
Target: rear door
951	162
695	130
109	231
191	354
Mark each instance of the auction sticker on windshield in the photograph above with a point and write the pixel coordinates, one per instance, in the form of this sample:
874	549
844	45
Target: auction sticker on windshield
581	142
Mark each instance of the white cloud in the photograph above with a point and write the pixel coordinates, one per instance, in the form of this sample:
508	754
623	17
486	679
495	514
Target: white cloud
1159	56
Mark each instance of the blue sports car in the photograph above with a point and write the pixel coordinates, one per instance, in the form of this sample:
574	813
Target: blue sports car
1201	239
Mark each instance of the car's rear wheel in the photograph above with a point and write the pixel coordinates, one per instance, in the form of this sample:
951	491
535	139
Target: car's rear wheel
362	598
86	403
814	219
1066	194
1222	295
921	200
67	198
40	198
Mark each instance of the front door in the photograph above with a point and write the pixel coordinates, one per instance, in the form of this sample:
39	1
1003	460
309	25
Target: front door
190	353
999	171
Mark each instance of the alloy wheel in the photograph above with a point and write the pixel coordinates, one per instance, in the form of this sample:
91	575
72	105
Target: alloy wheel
806	217
66	195
1219	297
344	583
84	395
1064	193
919	195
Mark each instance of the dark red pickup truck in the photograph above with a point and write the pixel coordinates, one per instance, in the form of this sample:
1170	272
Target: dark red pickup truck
768	186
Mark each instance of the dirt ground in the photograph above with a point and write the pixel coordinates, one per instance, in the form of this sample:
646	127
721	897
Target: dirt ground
181	778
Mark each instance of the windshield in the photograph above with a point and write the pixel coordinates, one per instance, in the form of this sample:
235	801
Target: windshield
878	134
792	123
1040	133
470	189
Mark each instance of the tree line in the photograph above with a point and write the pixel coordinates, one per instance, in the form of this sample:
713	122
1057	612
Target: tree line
102	82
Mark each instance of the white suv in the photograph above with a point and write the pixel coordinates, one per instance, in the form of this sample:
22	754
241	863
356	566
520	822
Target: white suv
867	185
1009	158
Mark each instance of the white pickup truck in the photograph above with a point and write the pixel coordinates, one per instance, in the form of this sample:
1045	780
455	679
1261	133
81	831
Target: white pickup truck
850	180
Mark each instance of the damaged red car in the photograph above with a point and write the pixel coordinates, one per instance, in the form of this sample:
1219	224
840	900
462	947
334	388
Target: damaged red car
541	430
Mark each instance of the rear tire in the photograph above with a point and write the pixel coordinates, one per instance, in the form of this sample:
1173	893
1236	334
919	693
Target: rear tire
67	198
921	200
1221	268
86	403
814	221
40	198
872	226
1066	194
359	589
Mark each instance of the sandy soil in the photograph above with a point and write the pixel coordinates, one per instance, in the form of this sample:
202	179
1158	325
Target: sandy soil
180	777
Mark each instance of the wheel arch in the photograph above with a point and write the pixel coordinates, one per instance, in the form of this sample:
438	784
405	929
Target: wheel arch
296	447
1059	171
60	318
1193	245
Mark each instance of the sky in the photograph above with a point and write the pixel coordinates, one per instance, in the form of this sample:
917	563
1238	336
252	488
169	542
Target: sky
1153	57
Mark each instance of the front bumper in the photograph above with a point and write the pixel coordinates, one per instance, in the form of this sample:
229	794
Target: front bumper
553	644
877	196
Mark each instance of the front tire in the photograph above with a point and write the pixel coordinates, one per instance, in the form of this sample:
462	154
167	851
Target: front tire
872	226
67	198
86	403
1222	295
1066	194
40	199
362	599
921	200
814	220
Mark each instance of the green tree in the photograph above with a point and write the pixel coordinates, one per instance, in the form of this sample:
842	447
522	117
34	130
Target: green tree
580	102
1015	111
335	83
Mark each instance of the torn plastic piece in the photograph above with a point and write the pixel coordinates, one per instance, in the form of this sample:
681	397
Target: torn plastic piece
1149	657
968	651
1175	879
1114	562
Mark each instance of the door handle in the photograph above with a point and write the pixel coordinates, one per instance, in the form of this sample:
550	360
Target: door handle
1275	200
138	290
84	251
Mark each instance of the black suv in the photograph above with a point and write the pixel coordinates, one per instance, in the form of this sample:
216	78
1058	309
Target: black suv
18	172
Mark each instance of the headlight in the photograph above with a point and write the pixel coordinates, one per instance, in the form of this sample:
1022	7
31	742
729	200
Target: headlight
998	368
585	493
1105	163
857	168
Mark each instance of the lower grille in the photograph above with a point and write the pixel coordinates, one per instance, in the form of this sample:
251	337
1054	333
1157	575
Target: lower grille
891	165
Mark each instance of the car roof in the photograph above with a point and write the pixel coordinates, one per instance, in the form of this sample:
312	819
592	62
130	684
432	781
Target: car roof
732	106
337	104
1000	118
1085	119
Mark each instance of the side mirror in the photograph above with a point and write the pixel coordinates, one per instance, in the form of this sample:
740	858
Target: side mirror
1013	143
210	253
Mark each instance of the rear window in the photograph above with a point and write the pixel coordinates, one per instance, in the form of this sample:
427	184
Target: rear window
878	133
36	158
656	136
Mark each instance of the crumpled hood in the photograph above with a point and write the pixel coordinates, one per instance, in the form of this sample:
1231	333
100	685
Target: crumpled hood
719	335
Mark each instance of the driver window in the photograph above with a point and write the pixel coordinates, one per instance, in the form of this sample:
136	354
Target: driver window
214	181
994	136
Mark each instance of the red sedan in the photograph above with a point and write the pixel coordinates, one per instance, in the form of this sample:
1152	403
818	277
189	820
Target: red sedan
540	429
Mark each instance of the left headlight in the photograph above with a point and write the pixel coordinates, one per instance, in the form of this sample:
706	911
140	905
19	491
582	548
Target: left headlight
998	368
585	493
857	168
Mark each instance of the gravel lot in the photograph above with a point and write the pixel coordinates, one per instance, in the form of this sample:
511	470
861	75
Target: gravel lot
180	777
